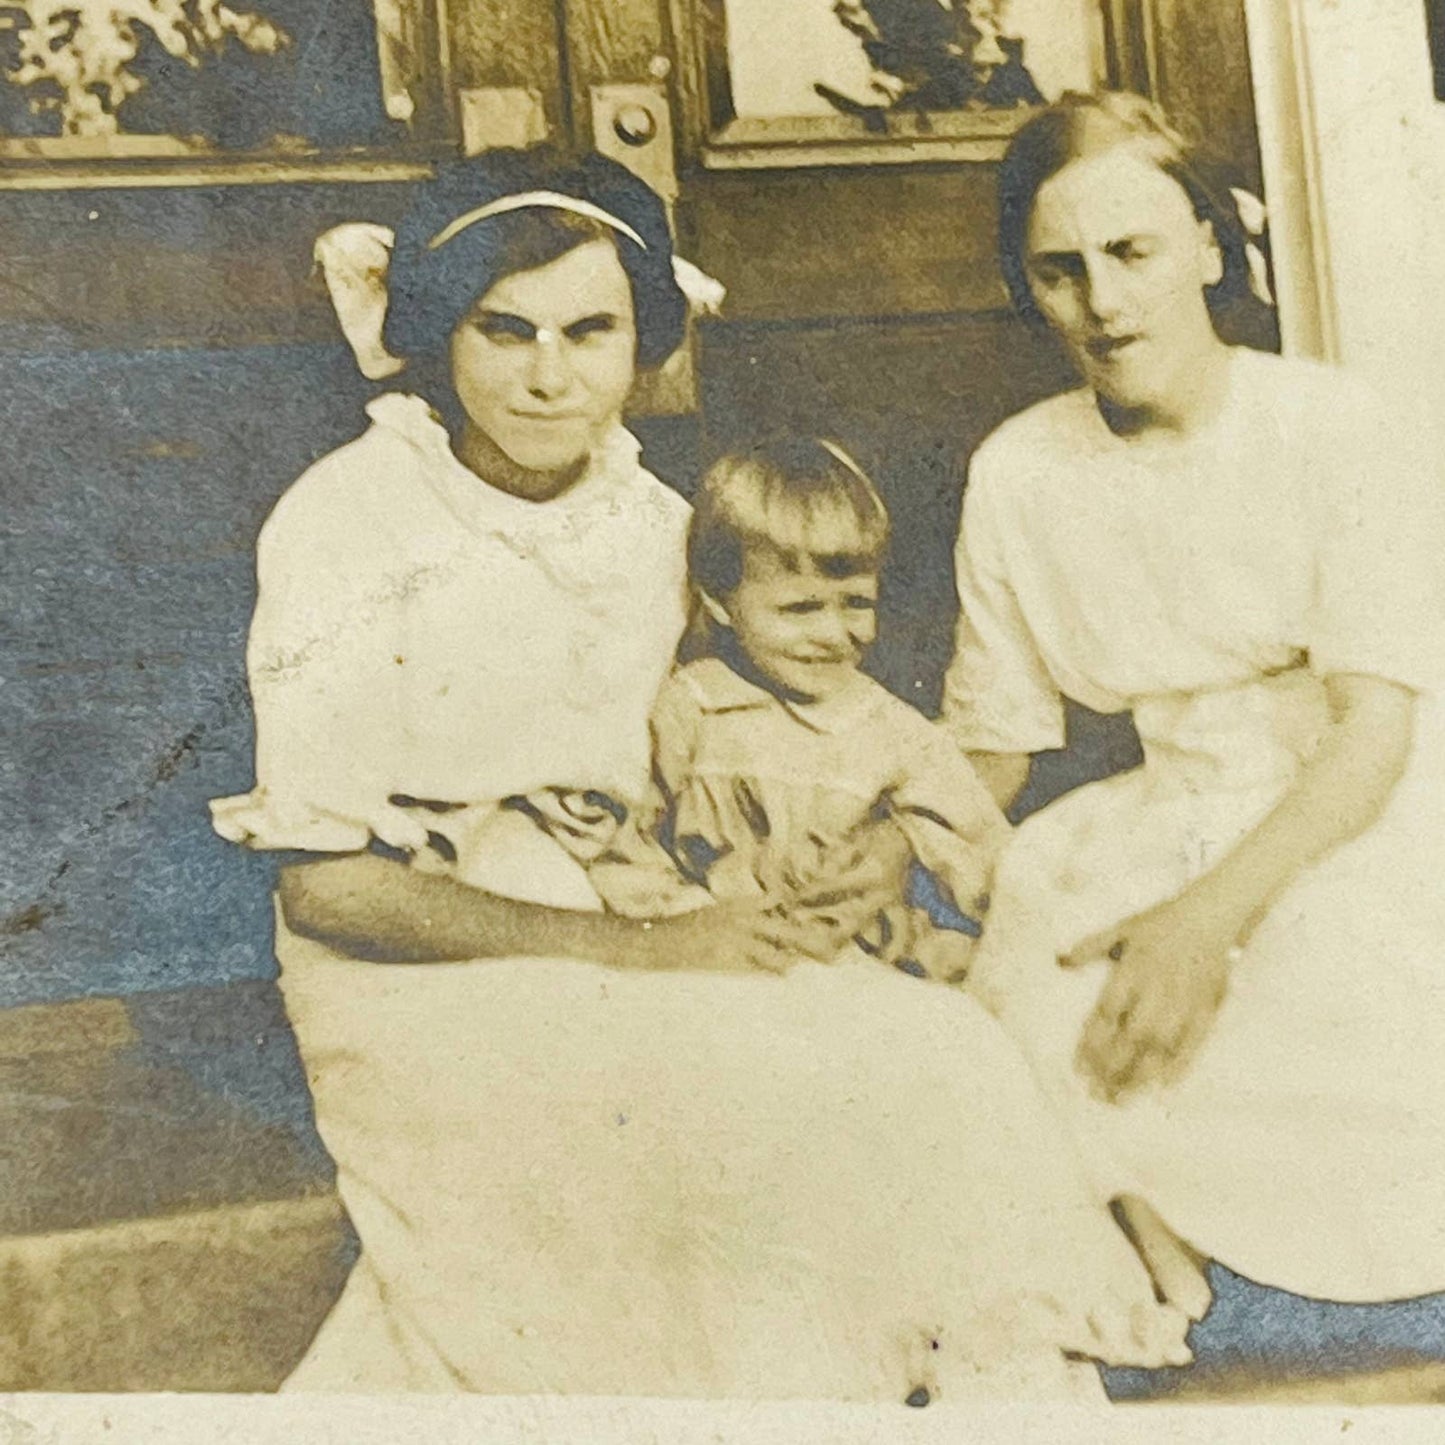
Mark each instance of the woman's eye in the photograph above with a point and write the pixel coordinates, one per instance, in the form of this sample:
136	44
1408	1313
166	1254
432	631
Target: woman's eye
505	330
795	609
1055	271
860	603
591	326
1131	253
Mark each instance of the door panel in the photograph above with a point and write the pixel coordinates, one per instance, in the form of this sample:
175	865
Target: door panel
864	295
816	245
890	214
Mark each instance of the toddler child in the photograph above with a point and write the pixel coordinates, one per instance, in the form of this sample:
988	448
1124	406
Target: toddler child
778	762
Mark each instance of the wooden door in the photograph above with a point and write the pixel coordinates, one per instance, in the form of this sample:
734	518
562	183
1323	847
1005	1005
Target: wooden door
857	244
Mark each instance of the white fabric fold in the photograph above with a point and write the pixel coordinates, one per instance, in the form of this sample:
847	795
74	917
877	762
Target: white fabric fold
353	259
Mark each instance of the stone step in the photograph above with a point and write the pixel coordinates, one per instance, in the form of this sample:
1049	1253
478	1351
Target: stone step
167	1222
167	1216
128	1109
223	1299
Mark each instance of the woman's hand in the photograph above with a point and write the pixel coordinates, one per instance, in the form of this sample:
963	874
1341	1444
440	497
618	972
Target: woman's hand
1170	971
735	937
856	875
851	878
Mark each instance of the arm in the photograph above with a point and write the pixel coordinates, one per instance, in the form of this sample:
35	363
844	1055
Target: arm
1339	793
1172	963
1371	501
385	912
373	908
1000	702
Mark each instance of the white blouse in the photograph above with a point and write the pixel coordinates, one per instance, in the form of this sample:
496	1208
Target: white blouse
1301	527
421	634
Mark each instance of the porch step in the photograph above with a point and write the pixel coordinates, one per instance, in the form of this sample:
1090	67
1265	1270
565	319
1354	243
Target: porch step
168	1222
167	1214
155	1105
224	1299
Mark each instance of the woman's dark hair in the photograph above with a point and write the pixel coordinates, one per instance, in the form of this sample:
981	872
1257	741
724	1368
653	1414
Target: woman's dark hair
1078	126
804	499
432	287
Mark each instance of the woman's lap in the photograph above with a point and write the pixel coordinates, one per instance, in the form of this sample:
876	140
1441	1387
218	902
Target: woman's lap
1304	1147
586	1180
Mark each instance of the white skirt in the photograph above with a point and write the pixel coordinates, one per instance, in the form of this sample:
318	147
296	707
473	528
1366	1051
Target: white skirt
839	1184
1305	1147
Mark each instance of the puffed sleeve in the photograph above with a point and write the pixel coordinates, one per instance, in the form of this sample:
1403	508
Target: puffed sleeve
317	664
998	696
1378	597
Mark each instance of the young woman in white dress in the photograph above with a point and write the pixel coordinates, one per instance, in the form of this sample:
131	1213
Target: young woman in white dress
672	1170
1228	964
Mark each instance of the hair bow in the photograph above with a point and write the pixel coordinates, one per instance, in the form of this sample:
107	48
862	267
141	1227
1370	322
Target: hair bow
1254	222
354	259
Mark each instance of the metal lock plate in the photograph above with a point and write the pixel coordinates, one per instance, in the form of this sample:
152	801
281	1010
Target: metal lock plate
633	125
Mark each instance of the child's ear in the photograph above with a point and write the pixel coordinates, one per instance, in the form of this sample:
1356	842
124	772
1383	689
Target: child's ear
715	609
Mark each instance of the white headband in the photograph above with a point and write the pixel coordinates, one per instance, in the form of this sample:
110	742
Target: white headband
845	461
355	257
525	200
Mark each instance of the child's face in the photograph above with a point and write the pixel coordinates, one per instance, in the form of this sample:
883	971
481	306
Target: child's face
804	631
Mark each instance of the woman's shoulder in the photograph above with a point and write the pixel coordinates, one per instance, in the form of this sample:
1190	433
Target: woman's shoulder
1330	427
621	456
1058	423
1304	374
669	505
1301	392
356	480
1030	451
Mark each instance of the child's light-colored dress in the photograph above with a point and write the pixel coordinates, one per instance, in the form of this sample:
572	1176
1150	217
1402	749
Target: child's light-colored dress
1208	586
573	1179
755	796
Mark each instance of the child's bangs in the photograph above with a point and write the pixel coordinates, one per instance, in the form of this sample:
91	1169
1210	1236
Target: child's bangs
827	528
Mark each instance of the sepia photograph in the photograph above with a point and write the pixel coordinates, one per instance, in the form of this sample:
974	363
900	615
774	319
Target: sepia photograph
723	719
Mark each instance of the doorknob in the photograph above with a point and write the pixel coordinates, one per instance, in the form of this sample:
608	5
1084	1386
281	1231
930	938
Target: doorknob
633	124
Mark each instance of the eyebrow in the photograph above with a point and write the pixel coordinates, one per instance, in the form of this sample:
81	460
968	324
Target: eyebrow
513	322
1051	258
1129	238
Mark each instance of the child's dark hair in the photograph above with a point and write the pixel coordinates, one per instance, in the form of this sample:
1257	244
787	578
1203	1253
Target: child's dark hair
806	500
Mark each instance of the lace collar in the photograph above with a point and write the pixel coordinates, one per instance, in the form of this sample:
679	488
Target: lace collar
614	467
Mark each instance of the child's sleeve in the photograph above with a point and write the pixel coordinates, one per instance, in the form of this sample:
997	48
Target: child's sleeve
951	820
637	874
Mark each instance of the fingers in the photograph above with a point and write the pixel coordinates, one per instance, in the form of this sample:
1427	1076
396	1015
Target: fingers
398	829
1138	1334
778	938
1175	1063
1147	1335
1109	943
1107	1046
871	860
1138	1040
766	958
